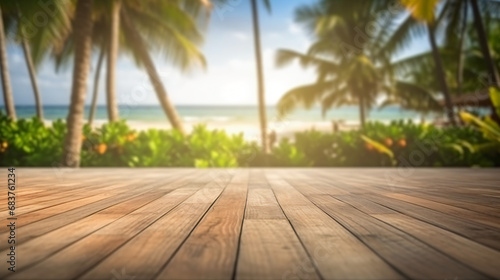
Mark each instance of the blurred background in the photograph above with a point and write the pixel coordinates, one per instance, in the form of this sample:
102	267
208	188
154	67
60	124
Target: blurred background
240	83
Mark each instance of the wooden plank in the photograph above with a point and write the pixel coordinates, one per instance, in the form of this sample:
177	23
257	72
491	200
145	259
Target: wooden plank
364	205
269	247
261	204
37	249
410	256
473	254
336	253
271	250
75	259
153	247
56	221
60	193
484	234
293	223
26	219
217	235
447	209
476	207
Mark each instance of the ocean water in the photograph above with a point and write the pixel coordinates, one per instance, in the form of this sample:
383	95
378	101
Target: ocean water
230	114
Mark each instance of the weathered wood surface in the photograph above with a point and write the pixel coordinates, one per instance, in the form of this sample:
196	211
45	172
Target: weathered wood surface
111	223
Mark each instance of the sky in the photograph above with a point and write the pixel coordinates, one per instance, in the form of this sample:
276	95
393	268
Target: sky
230	76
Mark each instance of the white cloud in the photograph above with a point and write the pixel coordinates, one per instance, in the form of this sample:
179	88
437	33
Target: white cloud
17	58
294	28
240	36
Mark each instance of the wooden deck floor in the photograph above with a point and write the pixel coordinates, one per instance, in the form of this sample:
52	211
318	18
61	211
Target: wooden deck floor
255	224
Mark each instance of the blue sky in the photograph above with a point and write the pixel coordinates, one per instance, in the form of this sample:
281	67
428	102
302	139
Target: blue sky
229	78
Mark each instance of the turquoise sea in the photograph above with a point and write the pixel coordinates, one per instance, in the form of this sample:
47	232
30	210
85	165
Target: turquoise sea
230	114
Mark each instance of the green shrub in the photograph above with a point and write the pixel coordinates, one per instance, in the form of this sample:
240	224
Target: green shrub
31	143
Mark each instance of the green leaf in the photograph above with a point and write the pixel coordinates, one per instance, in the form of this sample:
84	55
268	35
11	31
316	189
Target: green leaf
495	99
456	147
486	127
378	146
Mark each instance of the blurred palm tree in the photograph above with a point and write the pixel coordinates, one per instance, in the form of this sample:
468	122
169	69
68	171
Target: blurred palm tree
32	72
113	43
453	19
461	45
95	91
83	50
145	27
260	73
470	37
4	71
424	11
483	38
351	66
417	89
20	18
353	81
169	28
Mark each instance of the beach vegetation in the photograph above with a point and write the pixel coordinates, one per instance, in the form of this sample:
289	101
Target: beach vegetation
28	142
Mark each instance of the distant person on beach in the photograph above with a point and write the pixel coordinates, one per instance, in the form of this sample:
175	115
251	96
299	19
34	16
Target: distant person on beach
335	126
272	138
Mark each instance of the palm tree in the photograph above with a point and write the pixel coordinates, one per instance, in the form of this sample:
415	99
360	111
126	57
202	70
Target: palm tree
24	9
483	42
418	89
83	49
4	71
141	51
166	27
454	24
440	74
461	52
145	28
349	82
111	63
17	15
95	91
454	17
424	11
260	73
32	72
350	70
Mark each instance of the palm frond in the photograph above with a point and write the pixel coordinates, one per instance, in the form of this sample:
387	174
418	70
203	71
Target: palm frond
305	96
285	57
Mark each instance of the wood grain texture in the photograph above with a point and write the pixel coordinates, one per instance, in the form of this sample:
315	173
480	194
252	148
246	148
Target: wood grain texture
297	223
211	249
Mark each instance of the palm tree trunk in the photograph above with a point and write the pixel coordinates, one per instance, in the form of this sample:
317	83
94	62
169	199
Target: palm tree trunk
83	52
461	53
4	71
31	69
112	55
142	53
441	76
362	111
95	93
34	83
260	78
483	42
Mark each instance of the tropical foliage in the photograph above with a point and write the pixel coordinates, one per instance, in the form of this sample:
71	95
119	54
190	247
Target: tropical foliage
489	128
30	143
